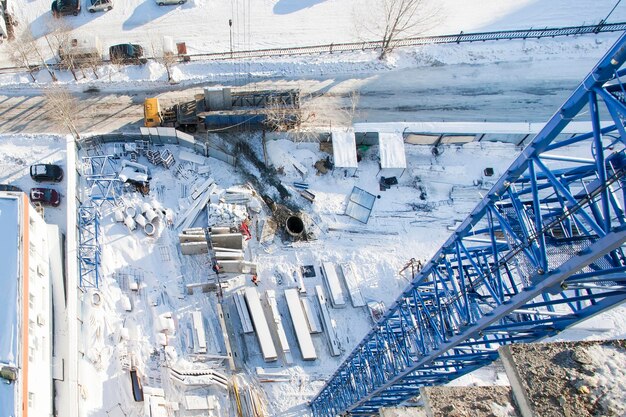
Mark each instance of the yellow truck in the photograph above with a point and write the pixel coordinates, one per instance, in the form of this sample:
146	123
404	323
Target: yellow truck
151	112
183	116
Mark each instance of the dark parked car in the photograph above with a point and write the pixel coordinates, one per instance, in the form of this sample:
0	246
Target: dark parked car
45	196
46	172
8	187
65	7
127	53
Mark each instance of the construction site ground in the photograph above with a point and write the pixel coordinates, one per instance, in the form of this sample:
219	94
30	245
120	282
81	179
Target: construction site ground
141	316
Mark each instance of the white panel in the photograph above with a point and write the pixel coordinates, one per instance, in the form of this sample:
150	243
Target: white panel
315	326
198	333
331	332
353	281
244	315
344	149
391	148
260	325
270	296
333	285
300	325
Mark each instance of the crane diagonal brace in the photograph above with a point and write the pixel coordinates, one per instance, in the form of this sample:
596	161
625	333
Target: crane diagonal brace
542	251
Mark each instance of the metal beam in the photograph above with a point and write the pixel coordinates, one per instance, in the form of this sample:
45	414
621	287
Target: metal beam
548	253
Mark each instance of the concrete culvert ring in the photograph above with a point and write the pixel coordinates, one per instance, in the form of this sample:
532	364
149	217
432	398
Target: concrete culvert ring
149	229
294	226
96	299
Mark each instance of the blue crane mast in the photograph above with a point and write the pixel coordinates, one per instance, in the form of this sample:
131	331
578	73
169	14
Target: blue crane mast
542	251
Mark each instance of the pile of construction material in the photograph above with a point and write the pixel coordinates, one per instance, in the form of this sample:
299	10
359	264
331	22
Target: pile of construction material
147	216
225	245
164	157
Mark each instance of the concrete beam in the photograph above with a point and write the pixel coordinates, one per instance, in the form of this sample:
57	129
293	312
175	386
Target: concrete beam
228	240
194	248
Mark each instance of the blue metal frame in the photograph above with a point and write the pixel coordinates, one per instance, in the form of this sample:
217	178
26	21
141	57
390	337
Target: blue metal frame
89	252
100	172
541	252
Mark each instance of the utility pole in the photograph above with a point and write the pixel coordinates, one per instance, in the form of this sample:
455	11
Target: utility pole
230	26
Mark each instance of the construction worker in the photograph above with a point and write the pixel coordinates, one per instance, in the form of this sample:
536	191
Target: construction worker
255	280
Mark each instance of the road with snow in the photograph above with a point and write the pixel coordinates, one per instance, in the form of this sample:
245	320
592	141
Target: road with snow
522	91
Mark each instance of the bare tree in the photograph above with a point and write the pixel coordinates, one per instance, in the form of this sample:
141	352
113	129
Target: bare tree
392	20
94	62
163	54
297	120
22	52
62	107
60	39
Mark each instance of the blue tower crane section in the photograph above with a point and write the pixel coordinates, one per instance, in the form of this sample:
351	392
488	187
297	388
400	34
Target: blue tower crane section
542	251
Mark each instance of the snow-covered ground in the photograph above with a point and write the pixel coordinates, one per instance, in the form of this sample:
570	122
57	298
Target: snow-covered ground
401	227
410	220
259	24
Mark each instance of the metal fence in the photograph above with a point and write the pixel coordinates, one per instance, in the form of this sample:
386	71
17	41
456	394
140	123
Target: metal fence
416	41
374	45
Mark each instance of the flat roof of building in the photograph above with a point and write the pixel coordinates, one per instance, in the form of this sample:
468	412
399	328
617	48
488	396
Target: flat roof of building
9	286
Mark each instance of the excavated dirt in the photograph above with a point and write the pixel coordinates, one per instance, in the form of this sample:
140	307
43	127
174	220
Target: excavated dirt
494	401
572	379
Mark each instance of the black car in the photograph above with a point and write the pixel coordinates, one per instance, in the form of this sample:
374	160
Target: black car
65	7
46	172
127	53
9	187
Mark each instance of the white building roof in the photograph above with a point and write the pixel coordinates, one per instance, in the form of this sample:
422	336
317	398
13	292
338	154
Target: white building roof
344	149
9	309
391	150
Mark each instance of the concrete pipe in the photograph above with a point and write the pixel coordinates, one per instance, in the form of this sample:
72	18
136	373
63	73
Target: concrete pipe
141	221
150	215
149	229
294	227
130	223
96	298
145	207
130	211
119	215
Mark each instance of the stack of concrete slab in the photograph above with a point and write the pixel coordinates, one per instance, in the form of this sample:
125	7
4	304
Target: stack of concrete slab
300	326
268	350
276	326
581	379
353	283
242	310
335	291
193	241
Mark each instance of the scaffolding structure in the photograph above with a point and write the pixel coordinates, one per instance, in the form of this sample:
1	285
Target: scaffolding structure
542	251
100	173
89	251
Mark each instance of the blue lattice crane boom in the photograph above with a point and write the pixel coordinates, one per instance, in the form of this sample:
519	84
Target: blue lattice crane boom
541	252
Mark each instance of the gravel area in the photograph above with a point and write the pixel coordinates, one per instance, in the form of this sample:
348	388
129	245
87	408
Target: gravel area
573	379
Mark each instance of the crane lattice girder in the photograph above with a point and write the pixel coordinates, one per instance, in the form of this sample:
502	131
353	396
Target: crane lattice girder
89	252
542	251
